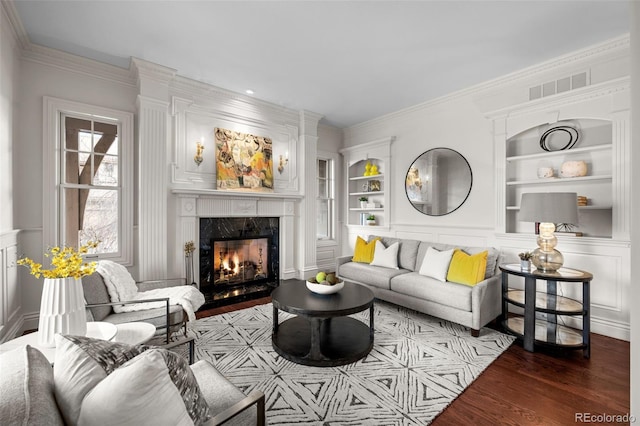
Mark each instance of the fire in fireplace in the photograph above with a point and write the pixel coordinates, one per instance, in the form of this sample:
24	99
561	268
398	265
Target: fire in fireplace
238	261
239	258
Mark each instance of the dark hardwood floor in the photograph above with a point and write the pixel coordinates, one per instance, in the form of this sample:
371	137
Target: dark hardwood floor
547	387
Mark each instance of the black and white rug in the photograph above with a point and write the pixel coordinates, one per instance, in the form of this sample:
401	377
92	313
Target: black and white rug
417	367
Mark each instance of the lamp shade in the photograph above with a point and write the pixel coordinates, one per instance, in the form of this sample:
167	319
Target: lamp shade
553	207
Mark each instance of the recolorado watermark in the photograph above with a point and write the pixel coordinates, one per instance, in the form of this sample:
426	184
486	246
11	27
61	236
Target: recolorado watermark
604	418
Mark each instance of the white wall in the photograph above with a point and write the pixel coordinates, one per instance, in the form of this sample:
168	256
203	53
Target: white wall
455	123
461	121
38	78
9	72
635	226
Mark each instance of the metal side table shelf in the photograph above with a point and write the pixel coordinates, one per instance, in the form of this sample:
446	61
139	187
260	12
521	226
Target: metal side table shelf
533	330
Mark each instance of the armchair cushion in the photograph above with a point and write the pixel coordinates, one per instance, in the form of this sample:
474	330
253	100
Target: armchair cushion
156	387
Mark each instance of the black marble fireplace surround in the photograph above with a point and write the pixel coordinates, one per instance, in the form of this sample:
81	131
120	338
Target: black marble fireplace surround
231	230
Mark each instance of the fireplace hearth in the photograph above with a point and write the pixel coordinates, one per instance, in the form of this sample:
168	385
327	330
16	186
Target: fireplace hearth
239	259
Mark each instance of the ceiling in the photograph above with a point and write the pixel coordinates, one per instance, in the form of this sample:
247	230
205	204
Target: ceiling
348	60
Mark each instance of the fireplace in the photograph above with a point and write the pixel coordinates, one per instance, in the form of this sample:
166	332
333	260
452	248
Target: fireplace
239	258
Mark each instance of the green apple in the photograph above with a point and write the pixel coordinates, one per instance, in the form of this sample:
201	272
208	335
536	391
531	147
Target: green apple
321	276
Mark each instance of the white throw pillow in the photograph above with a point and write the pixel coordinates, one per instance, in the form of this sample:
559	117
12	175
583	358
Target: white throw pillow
386	257
140	392
436	263
80	364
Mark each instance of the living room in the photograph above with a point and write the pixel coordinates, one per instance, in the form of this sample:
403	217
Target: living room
474	120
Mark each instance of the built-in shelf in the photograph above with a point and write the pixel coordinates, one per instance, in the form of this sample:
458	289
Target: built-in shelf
378	176
547	155
548	181
361	159
366	193
579	207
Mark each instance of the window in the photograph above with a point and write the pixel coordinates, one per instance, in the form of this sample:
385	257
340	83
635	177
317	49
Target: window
326	199
88	183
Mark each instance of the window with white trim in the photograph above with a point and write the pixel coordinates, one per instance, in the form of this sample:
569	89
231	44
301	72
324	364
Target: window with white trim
326	199
91	151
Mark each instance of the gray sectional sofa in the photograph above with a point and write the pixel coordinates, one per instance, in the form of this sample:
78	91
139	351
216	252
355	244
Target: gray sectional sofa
471	306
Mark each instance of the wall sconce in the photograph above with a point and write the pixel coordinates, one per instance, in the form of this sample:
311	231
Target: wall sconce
284	160
199	148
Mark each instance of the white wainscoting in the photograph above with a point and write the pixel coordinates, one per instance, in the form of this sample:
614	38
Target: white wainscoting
10	295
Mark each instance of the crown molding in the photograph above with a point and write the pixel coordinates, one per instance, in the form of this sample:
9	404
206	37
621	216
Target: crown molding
59	59
78	64
208	96
15	24
149	70
572	96
615	46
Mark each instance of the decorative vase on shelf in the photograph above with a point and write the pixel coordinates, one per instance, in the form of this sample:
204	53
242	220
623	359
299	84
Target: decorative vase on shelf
62	310
367	169
374	170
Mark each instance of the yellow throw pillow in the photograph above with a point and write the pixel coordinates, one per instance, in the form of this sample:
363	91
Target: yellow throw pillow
363	252
467	269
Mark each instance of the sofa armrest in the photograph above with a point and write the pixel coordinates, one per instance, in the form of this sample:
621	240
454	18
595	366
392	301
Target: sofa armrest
486	301
341	260
131	302
254	398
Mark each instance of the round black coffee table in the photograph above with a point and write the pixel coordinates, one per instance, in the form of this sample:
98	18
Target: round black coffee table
321	334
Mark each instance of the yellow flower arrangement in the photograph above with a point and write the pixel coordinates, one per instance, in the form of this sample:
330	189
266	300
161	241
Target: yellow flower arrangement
66	262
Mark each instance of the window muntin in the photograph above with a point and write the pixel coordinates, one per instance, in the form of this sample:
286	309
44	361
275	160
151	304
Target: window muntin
90	196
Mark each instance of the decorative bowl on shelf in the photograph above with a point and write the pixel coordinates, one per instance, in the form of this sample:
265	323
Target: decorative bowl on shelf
324	287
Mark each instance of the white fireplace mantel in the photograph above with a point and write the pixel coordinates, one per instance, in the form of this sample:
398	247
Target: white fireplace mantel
233	194
194	204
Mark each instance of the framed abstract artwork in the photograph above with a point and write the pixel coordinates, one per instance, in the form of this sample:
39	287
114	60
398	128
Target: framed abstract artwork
243	161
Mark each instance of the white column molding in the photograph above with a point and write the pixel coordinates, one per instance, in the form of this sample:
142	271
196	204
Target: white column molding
307	156
153	123
621	225
152	192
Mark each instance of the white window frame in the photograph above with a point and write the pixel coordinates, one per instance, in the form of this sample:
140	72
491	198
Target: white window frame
54	109
333	219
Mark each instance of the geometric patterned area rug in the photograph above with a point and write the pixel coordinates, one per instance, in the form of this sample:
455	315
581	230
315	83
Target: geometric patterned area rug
418	365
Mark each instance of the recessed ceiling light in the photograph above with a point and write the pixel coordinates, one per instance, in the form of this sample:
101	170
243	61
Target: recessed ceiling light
249	92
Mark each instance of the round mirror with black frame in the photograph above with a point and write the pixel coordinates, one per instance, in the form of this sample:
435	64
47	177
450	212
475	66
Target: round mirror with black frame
438	182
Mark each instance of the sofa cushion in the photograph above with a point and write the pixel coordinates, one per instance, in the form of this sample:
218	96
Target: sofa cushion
448	294
436	263
386	257
26	389
407	251
467	269
375	276
155	387
81	363
363	252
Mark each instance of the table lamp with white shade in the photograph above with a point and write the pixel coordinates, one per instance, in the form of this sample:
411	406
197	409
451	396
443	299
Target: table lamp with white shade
548	208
